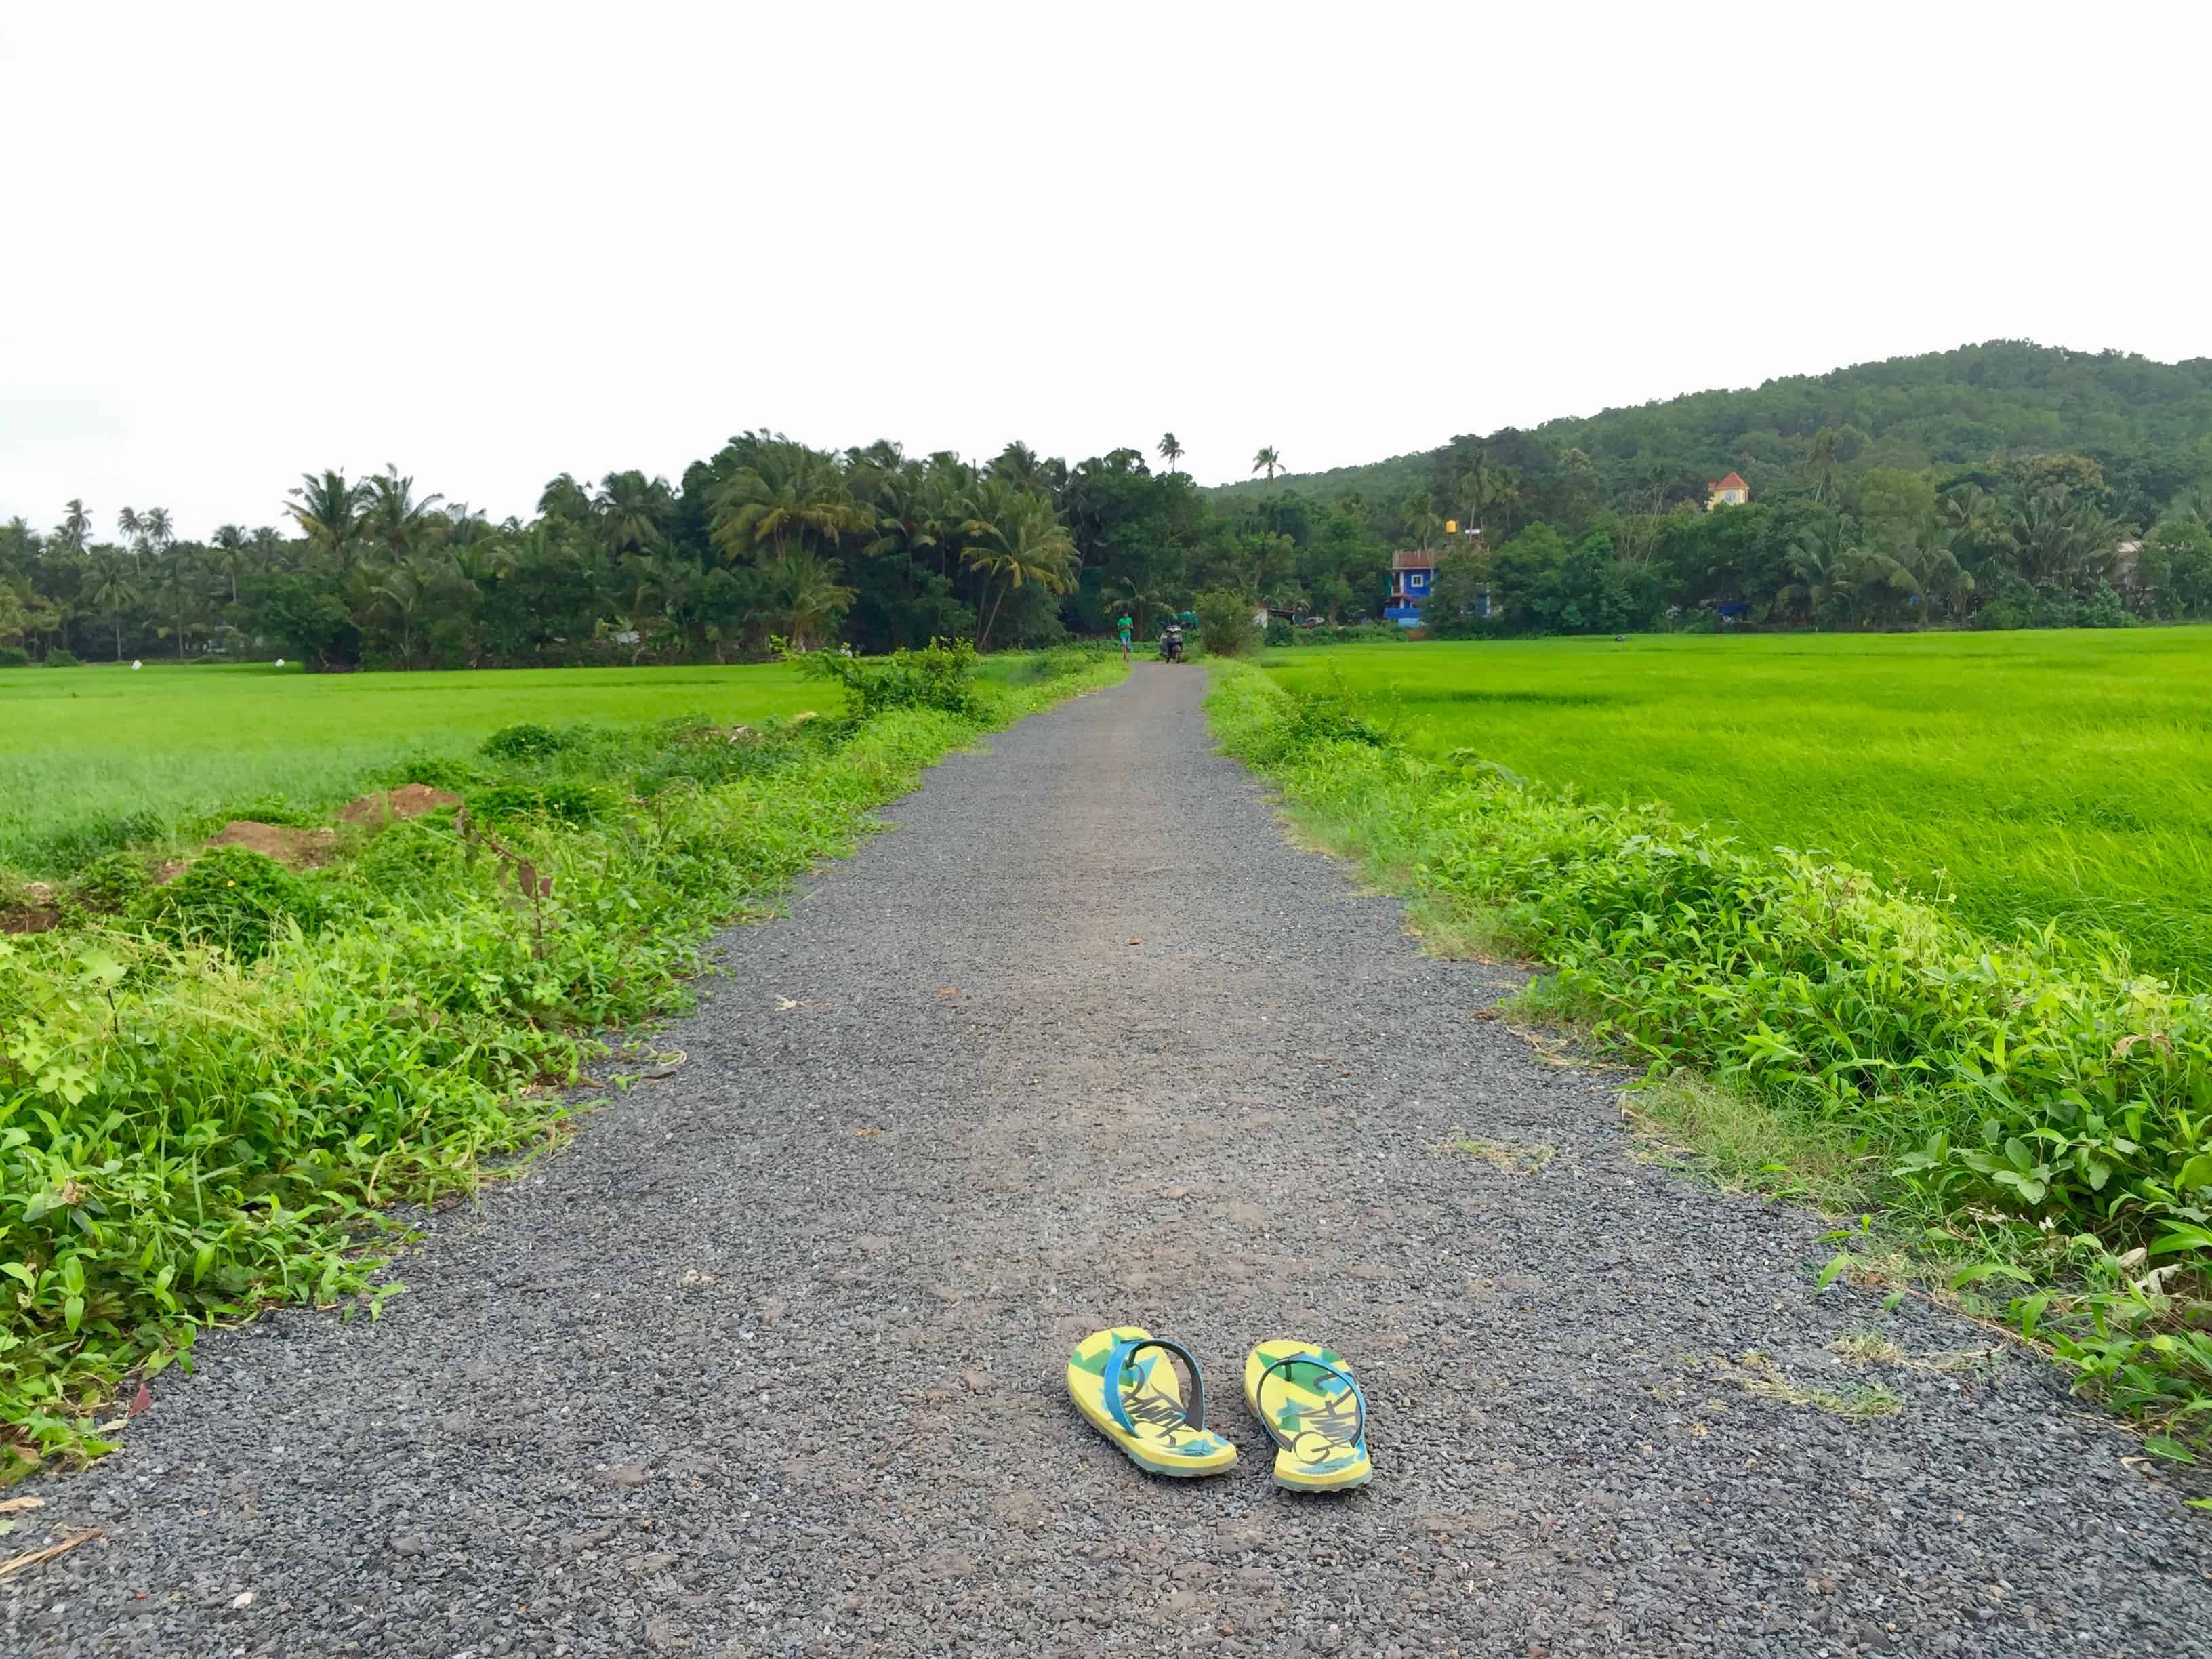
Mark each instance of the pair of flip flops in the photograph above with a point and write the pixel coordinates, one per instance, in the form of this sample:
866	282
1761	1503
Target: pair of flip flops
1305	1396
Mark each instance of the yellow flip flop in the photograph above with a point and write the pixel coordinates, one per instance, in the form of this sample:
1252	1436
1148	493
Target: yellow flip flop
1306	1398
1138	1403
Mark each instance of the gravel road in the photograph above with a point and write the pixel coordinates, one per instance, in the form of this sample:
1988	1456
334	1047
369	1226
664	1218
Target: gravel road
770	1360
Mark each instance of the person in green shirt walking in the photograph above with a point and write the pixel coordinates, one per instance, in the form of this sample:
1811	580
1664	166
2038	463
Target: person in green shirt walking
1123	628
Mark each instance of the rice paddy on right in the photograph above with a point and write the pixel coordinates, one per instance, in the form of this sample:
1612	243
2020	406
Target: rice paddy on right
2029	778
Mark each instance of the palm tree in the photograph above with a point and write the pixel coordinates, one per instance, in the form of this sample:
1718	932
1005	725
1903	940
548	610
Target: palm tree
109	588
1820	462
328	510
267	544
1140	594
176	589
394	517
632	512
1938	579
228	554
1484	488
402	592
76	525
1017	464
565	498
1170	450
1818	564
809	599
2055	541
1967	509
130	525
1014	538
786	494
913	515
1270	460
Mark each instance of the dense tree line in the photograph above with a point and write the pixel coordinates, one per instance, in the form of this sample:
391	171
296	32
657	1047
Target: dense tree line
766	540
2037	542
2004	485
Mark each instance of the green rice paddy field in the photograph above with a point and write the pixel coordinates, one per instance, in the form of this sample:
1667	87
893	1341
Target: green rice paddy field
95	758
2036	776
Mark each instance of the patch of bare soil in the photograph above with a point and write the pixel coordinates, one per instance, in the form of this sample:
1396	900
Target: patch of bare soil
29	910
301	849
409	800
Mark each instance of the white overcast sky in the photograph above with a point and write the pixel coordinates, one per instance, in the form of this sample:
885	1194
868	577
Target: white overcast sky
491	243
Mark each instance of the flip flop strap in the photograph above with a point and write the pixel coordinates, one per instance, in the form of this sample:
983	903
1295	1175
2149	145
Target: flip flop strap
1117	1362
1358	1399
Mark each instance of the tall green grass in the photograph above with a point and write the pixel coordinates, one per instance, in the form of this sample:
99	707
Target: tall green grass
91	759
207	1097
2035	1102
2032	777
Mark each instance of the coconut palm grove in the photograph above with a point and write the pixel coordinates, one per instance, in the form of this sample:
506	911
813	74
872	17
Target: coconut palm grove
2000	485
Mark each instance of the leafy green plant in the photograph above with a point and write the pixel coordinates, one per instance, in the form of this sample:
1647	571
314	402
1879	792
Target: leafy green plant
236	900
523	742
268	809
62	657
73	846
559	799
940	676
110	883
1225	624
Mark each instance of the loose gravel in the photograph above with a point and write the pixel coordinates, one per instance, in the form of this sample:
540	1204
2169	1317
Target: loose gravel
769	1361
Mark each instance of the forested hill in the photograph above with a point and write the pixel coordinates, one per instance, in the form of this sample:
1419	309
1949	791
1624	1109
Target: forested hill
2148	425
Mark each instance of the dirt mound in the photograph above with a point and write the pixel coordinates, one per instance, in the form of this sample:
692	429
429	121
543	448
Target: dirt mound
301	849
29	910
409	800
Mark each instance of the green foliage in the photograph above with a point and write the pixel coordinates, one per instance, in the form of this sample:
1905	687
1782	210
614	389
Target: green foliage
2142	421
2035	1083
110	883
266	809
1055	663
237	900
447	772
1387	632
211	1116
523	742
940	675
693	754
62	657
1280	633
1225	624
14	656
70	846
559	800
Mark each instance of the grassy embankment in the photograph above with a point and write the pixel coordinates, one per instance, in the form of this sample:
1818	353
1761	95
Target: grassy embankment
2037	777
2031	1123
96	758
211	1090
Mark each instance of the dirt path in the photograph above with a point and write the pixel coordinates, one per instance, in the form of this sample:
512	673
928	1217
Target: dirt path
770	1361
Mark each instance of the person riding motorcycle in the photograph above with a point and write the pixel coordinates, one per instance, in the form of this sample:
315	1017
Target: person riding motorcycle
1171	642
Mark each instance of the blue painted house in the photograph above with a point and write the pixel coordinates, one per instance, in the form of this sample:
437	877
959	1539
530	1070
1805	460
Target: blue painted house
1412	574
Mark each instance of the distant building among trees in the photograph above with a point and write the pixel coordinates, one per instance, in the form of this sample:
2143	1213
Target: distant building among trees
1731	491
1412	575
